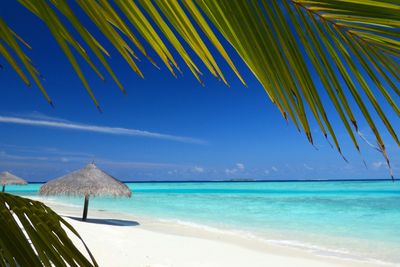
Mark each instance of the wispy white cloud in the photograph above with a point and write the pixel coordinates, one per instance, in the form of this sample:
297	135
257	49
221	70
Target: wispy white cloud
230	171
12	158
172	172
38	116
136	164
48	151
5	155
378	164
65	159
275	169
42	168
198	169
307	167
95	128
240	166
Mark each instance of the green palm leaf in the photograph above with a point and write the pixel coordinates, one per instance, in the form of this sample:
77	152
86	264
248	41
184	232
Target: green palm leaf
33	235
10	39
347	42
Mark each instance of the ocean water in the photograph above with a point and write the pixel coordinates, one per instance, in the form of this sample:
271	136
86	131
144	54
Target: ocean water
355	220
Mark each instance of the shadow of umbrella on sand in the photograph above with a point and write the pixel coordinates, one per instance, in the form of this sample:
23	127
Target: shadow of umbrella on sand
87	182
9	178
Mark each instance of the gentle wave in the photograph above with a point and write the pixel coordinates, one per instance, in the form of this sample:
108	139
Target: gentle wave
294	244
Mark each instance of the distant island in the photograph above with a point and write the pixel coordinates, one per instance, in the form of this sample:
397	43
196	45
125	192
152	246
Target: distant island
241	180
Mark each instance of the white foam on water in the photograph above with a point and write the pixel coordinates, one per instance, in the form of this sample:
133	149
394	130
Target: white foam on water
296	244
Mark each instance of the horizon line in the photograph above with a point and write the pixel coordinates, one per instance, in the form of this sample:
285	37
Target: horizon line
248	181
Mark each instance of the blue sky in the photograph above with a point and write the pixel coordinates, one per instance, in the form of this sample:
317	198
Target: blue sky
165	128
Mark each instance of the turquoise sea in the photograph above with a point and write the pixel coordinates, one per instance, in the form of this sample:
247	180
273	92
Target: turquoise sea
357	220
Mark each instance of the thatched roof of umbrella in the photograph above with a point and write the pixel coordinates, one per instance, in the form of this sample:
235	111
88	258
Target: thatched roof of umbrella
9	178
88	181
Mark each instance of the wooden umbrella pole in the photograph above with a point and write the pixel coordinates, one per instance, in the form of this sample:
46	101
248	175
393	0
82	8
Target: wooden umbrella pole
85	208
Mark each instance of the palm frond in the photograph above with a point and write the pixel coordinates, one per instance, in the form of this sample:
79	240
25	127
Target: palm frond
351	46
33	235
11	40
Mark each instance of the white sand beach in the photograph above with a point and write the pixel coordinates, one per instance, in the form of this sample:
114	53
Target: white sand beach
123	240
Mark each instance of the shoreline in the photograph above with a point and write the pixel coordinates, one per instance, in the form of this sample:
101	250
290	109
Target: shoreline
166	243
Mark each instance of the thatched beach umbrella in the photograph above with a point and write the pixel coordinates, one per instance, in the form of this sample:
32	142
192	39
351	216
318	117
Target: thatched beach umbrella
89	181
9	178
